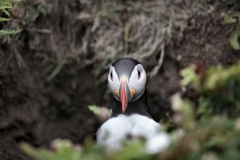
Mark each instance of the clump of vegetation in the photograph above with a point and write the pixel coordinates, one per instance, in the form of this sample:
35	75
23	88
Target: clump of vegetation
5	6
233	18
64	149
218	89
212	126
209	130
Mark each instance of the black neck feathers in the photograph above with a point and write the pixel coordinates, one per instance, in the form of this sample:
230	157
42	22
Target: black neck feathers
139	106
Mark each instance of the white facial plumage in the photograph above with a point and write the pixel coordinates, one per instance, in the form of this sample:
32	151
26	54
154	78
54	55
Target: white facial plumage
136	81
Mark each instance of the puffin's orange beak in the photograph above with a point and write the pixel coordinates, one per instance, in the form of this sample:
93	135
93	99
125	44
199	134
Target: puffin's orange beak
124	93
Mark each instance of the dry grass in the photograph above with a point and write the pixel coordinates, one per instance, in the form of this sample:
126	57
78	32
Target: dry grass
137	29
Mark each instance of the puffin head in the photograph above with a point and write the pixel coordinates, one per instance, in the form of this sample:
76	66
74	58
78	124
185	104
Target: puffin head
127	80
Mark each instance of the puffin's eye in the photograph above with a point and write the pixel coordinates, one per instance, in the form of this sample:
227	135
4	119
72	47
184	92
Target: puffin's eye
111	76
139	74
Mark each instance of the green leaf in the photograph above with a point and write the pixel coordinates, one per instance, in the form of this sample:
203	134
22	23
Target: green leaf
63	149
132	150
234	38
229	19
189	75
39	154
95	109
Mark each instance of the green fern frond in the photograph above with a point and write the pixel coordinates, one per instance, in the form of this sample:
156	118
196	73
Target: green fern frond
5	6
6	12
9	32
8	1
4	19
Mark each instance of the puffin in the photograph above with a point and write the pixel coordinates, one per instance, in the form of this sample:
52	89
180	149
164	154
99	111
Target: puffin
131	116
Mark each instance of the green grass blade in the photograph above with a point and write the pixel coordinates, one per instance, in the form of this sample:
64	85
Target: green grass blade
55	72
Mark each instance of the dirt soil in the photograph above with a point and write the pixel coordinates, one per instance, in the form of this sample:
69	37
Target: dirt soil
44	94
